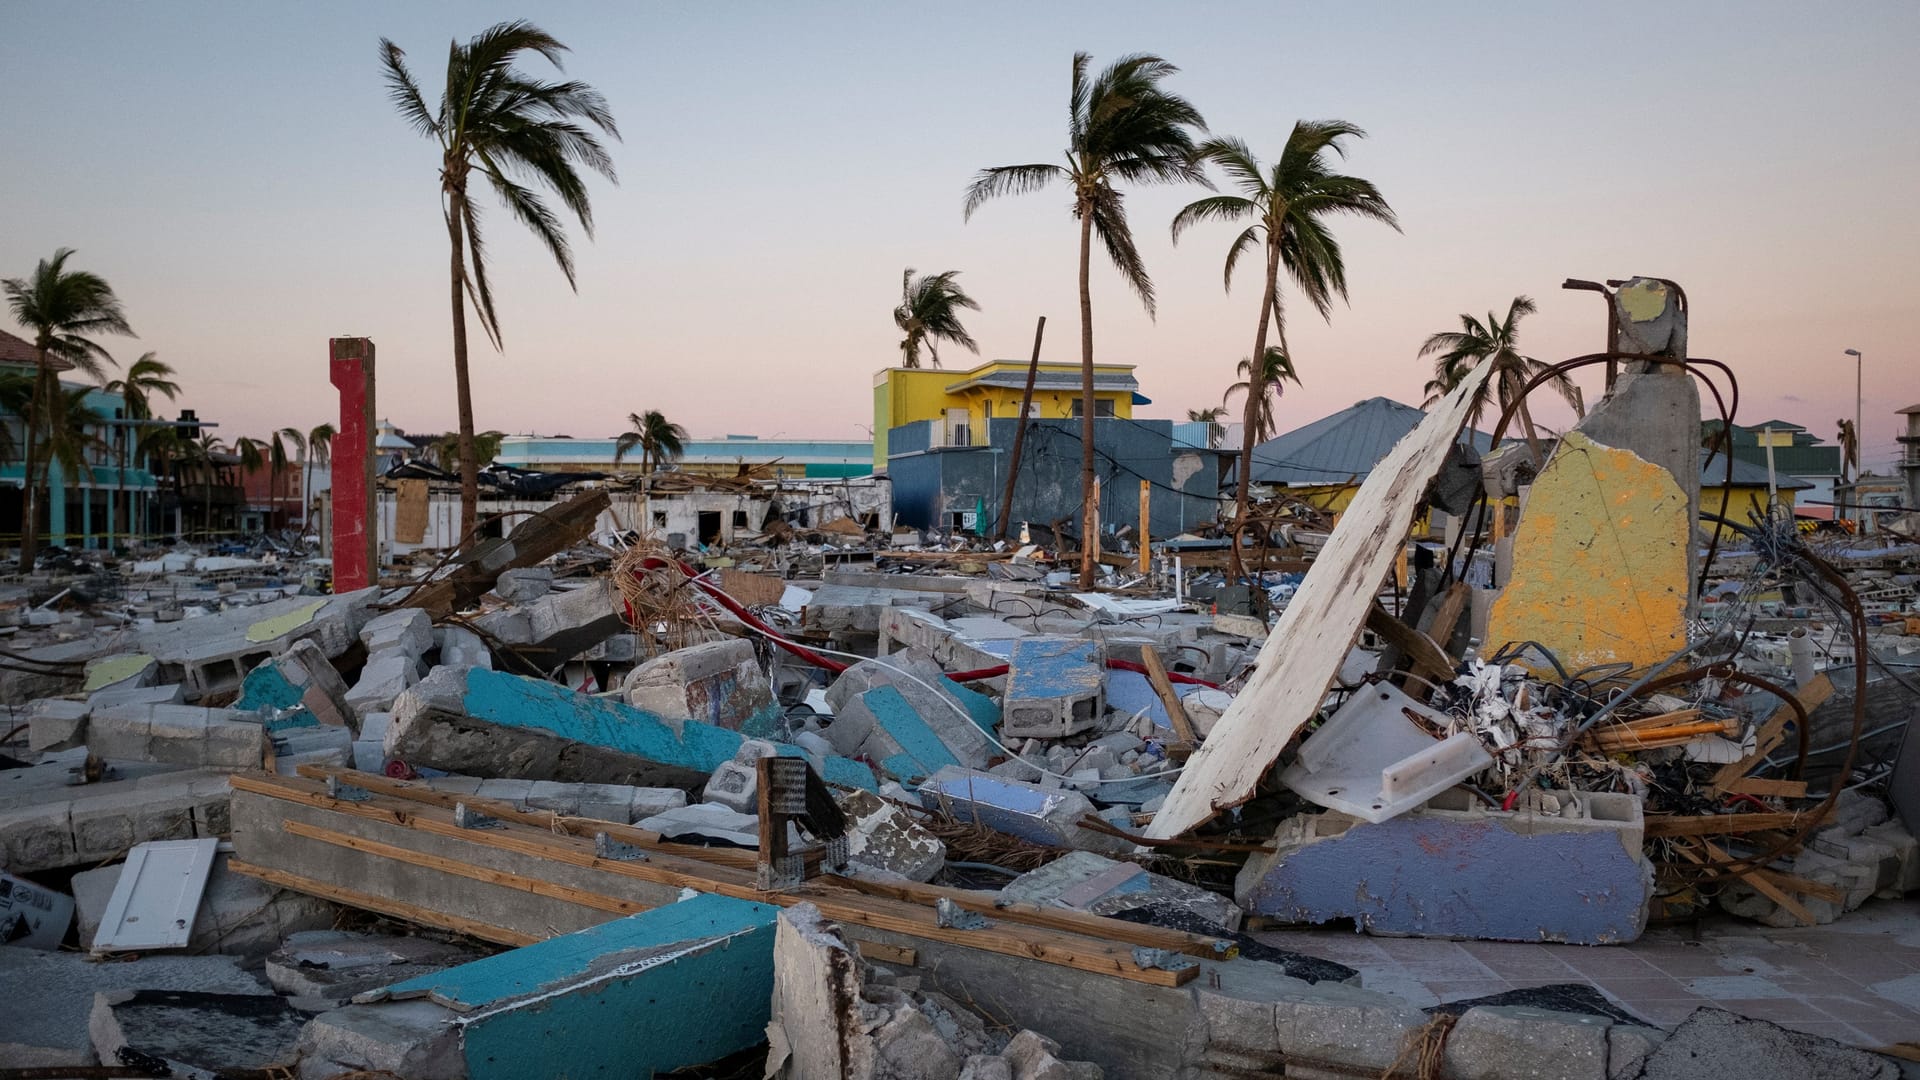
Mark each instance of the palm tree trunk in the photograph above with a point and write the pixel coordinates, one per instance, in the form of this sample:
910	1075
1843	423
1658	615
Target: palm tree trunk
1089	521
29	489
463	388
1256	394
306	495
1511	381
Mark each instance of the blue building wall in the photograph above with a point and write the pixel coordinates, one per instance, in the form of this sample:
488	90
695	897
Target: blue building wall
932	484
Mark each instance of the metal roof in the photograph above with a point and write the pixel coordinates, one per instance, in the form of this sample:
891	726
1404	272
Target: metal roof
1713	473
1047	380
1341	447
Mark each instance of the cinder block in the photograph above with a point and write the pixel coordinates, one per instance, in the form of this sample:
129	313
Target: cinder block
524	585
1032	813
1055	688
719	683
406	630
302	681
120	732
1497	1042
460	647
384	678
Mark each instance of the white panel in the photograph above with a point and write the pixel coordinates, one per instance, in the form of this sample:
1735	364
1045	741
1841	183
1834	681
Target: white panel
157	897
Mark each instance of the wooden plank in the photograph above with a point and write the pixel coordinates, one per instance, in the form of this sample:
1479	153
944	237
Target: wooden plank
1163	686
1719	824
502	878
1300	658
1422	650
399	909
1773	732
1768	789
881	952
1005	937
1758	879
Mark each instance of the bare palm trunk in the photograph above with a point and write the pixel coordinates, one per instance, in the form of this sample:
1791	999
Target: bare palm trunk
1256	394
29	488
1089	519
1510	380
463	388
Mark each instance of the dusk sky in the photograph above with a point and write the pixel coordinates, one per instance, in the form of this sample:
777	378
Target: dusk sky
236	171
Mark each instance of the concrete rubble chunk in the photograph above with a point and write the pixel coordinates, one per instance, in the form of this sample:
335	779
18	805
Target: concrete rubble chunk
1084	881
193	1032
45	824
1493	1042
1035	1057
1049	817
165	694
460	647
302	678
883	837
48	1027
124	671
524	585
407	630
384	678
415	1039
214	653
1712	1044
719	683
56	724
1056	687
736	784
565	623
486	723
337	965
178	735
925	717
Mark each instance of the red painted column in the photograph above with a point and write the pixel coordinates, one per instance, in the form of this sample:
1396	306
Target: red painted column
356	537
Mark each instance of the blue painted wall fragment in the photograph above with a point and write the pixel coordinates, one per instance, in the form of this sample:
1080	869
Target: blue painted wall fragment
533	704
984	710
1129	692
267	688
1032	813
1461	875
1054	667
921	752
680	985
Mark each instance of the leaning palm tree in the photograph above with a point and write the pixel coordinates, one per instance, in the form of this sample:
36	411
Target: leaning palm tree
507	127
1458	352
659	440
929	311
65	309
71	431
1269	382
278	458
1123	127
1286	207
319	452
1211	418
146	378
158	449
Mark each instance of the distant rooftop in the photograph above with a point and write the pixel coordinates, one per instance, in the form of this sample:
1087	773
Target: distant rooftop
1341	447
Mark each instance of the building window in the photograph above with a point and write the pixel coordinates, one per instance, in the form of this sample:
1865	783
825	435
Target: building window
1102	407
739	519
659	519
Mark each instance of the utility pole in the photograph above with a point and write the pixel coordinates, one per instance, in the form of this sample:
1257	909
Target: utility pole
1019	433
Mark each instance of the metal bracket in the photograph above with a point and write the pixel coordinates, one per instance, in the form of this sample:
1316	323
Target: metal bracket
606	847
951	916
473	819
1163	959
346	792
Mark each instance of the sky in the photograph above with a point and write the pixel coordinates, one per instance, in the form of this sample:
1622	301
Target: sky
237	173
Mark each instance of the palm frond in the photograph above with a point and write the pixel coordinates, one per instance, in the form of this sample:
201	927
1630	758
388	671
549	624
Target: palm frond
1008	180
404	92
1212	208
1110	224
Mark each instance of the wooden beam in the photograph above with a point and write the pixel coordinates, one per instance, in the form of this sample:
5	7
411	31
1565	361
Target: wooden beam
1773	732
399	909
1169	699
1719	824
533	540
887	954
1427	656
1768	789
1758	879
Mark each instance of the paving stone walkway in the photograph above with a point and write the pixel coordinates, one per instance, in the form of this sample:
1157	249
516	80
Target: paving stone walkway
1856	980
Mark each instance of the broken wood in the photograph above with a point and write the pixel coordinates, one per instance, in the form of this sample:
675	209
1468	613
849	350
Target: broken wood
1773	732
1300	658
1719	824
1426	654
1761	884
545	534
1163	686
1768	789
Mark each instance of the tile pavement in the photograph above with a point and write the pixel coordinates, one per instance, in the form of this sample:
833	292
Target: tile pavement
1856	980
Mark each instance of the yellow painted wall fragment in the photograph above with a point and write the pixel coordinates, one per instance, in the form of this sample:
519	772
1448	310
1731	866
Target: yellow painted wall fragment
1644	300
268	629
1599	561
109	670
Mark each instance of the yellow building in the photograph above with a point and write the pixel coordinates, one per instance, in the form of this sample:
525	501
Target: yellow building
962	402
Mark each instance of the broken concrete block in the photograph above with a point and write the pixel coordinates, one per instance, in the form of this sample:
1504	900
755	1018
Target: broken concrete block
480	722
407	630
48	1027
1032	1056
1628	1048
56	724
934	718
384	678
326	746
1205	708
1084	881
165	694
1448	870
899	740
1032	813
460	647
883	837
565	624
178	735
125	671
689	983
214	653
194	1033
734	785
337	965
369	746
1736	1046
524	585
415	1039
302	678
1055	687
719	683
1906	874
1492	1042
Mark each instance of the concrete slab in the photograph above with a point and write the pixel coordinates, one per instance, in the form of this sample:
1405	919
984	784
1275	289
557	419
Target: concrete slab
194	1033
1084	881
49	1026
719	683
1056	686
336	965
1035	814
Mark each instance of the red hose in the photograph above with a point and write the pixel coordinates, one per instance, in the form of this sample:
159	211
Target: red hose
739	611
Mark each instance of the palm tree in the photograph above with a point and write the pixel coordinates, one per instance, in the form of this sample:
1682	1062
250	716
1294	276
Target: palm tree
319	452
146	378
277	461
1122	127
486	447
1286	207
16	397
506	126
1458	352
1269	382
161	447
1211	418
929	311
65	309
659	441
200	453
253	458
71	431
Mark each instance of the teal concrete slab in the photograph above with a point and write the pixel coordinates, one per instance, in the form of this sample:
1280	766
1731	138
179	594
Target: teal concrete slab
921	752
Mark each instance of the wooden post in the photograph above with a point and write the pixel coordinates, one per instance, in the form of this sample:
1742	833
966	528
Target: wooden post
1146	554
1090	516
1019	433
